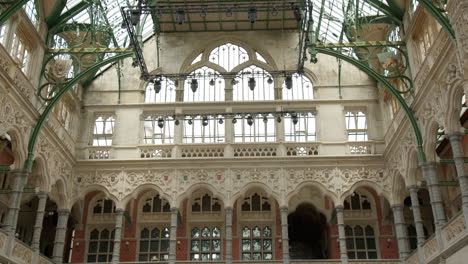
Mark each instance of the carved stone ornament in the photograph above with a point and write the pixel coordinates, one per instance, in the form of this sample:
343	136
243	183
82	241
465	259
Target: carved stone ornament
12	116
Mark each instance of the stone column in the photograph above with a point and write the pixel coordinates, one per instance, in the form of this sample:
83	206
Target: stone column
430	174
401	232
173	236
284	232
228	212
341	234
416	208
20	177
39	219
459	158
117	235
60	233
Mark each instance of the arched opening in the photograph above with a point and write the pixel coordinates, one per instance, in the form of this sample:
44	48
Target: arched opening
307	229
7	159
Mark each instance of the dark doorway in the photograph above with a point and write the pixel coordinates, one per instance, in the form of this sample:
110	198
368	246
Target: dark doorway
307	233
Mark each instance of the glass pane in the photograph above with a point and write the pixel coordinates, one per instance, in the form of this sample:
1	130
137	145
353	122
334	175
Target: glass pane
195	233
195	256
145	233
267	256
361	255
257	246
154	257
267	232
102	258
360	243
103	246
267	244
358	231
93	247
205	232
246	232
195	245
154	246
246	256
350	243
215	256
155	233
216	232
257	256
351	255
94	234
206	245
348	231
164	245
143	257
105	234
144	246
256	232
245	244
216	245
205	256
370	231
166	233
370	243
372	255
91	258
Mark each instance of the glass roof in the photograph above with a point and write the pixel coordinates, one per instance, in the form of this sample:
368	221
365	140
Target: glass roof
328	15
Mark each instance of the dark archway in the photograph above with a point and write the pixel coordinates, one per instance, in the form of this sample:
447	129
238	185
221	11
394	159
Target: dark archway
307	233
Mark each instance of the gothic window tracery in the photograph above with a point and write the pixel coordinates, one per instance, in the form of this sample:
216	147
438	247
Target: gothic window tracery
228	56
256	203
206	203
104	206
357	201
156	205
253	83
204	85
162	90
297	87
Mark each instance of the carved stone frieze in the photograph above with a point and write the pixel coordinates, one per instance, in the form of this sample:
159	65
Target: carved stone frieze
22	85
12	116
57	163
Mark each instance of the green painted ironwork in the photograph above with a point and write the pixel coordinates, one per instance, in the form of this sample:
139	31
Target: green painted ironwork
11	8
439	13
53	21
54	100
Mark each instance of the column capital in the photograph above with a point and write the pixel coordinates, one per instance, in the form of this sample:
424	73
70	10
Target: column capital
284	209
119	211
396	206
228	209
42	195
413	187
174	209
20	171
428	165
63	211
339	208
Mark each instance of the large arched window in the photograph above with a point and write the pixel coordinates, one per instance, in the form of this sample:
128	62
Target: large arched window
256	202
297	87
204	85
228	56
162	90
154	244
156	205
253	84
206	203
205	244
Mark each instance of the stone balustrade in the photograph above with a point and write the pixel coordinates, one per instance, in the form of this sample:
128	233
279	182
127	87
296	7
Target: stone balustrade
21	253
233	150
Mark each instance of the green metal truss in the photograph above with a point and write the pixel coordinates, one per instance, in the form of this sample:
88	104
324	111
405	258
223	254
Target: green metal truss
55	99
439	13
9	8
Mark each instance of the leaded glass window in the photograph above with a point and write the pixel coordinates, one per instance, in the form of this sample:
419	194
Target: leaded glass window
103	130
204	85
253	84
255	128
154	244
101	246
260	57
356	126
204	129
31	12
257	243
360	242
256	202
156	205
161	90
297	87
228	56
20	52
206	203
158	130
205	244
300	127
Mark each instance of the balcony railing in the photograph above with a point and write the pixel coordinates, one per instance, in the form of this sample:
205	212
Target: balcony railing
20	253
233	150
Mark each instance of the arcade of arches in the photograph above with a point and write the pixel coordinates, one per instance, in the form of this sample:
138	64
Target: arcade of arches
229	161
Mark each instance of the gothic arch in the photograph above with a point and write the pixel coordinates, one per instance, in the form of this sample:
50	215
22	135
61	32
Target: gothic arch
141	190
314	184
430	139
366	183
197	188
81	194
254	185
455	93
